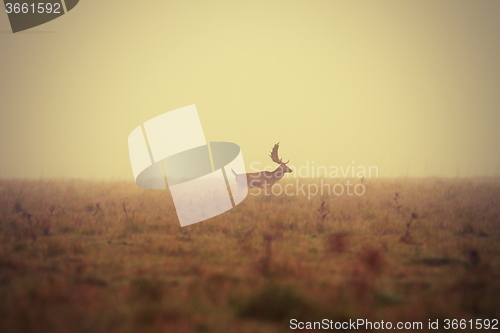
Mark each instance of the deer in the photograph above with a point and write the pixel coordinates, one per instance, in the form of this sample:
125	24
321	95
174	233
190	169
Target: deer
265	179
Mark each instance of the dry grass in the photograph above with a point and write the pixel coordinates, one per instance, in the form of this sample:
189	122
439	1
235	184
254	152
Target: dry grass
79	256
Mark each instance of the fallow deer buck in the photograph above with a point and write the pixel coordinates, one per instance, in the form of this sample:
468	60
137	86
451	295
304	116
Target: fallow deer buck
265	179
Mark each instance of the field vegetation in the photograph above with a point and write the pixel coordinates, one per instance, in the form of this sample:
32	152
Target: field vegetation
80	256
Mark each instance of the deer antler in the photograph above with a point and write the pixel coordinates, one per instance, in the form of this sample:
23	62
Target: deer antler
264	179
274	155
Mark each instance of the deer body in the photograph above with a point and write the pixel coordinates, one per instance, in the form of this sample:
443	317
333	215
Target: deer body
265	179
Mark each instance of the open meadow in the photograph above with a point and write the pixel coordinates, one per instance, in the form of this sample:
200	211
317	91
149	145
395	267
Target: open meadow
80	256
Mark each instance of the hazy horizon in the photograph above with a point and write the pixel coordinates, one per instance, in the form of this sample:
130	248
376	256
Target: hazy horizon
411	88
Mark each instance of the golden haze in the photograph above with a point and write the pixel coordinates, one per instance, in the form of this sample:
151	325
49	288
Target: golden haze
409	87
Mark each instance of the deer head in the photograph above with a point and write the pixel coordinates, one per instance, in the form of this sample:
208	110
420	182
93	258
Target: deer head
274	156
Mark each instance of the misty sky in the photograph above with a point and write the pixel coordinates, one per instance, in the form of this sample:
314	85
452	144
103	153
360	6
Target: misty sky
410	87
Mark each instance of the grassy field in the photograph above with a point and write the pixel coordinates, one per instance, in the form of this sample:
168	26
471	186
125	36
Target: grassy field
79	256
